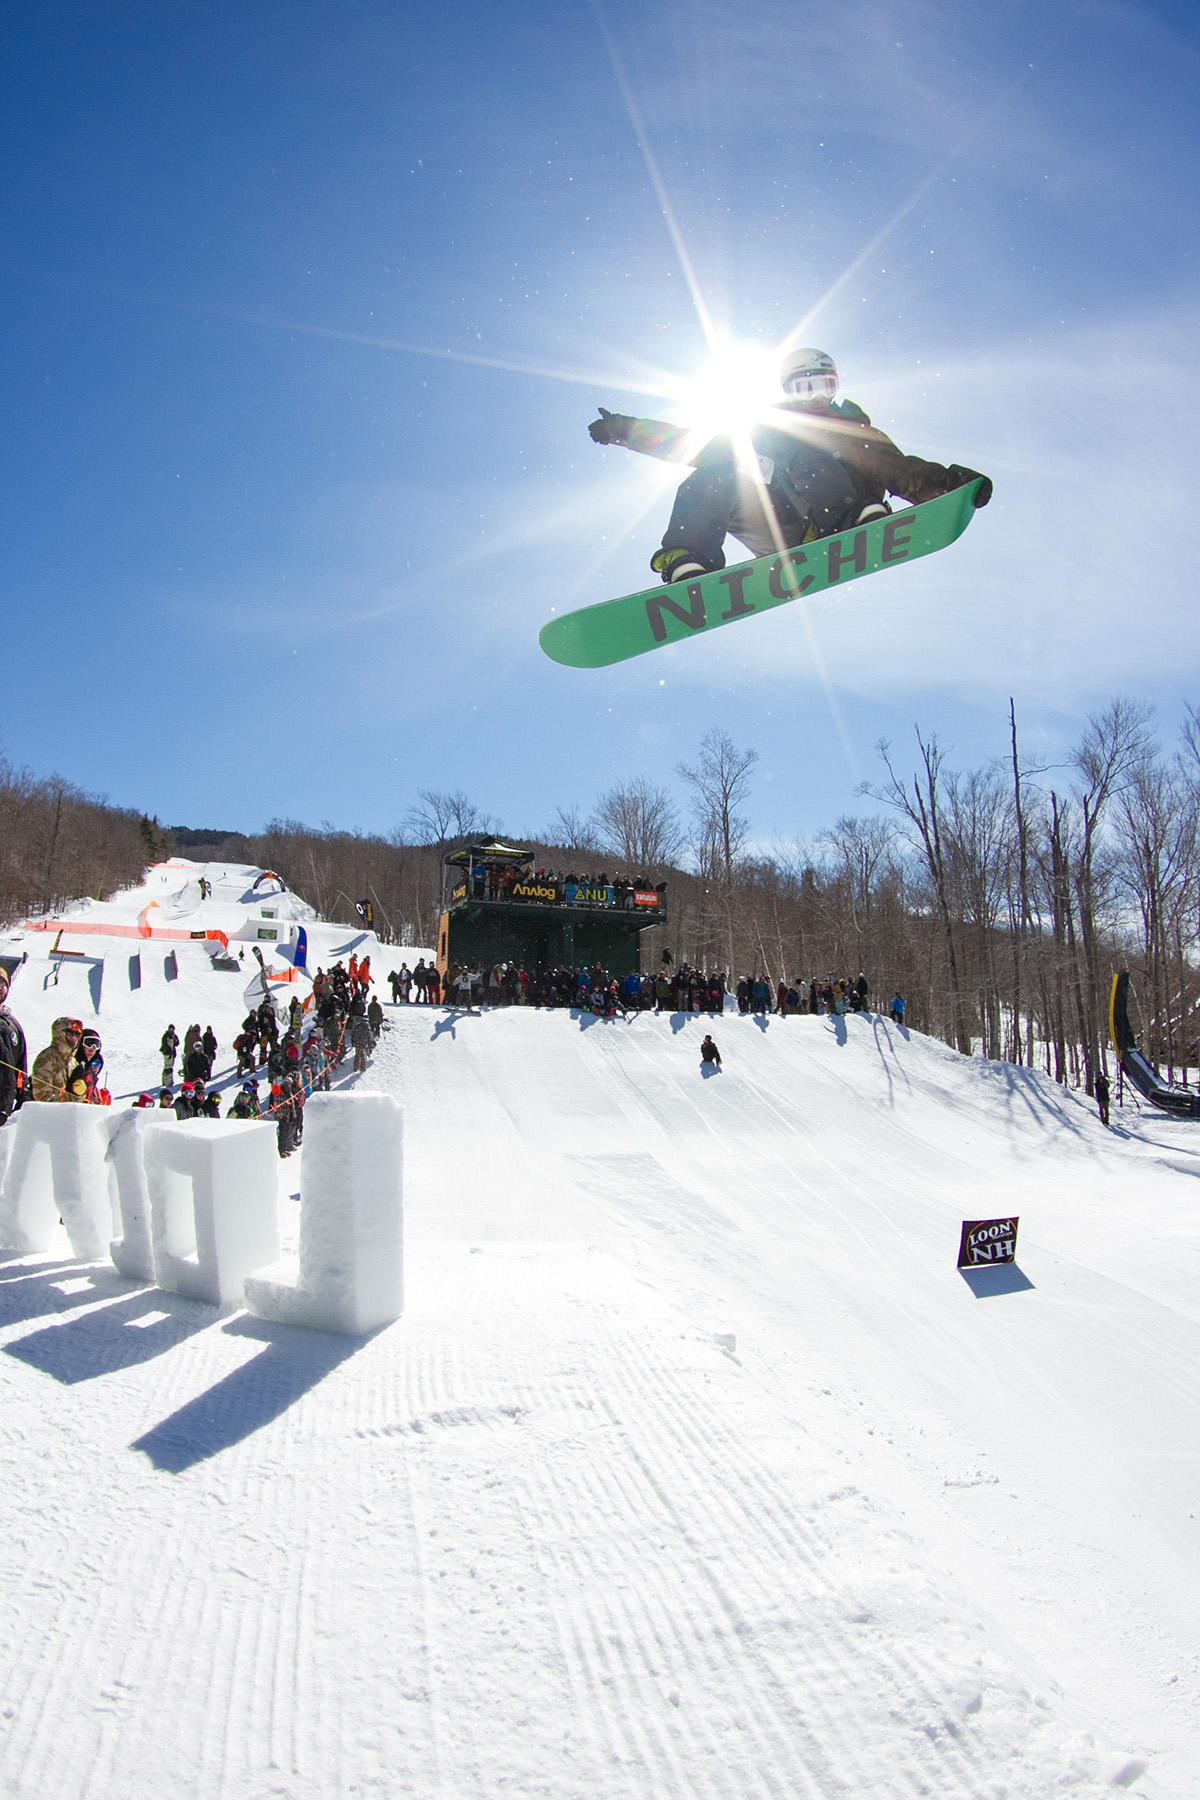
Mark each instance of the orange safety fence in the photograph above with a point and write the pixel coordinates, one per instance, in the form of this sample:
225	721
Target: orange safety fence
140	930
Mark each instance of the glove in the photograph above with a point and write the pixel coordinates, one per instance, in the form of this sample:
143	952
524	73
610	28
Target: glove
959	477
610	428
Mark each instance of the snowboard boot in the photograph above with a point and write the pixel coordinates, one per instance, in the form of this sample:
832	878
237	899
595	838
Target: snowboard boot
876	510
678	565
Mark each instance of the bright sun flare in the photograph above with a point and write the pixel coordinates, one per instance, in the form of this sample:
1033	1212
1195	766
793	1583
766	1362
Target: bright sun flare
739	384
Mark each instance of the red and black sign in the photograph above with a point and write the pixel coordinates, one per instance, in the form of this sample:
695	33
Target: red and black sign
645	897
987	1241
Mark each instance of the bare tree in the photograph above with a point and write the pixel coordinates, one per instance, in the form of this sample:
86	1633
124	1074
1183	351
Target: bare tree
1115	744
1157	865
440	818
922	807
638	823
720	784
861	850
570	830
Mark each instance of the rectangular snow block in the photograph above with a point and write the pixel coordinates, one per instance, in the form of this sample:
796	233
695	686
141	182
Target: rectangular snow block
133	1251
351	1266
56	1171
213	1187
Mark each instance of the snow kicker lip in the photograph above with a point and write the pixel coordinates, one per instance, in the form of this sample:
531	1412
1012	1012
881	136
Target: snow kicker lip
614	630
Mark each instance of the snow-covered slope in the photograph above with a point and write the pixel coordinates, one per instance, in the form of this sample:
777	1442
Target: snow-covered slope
693	1469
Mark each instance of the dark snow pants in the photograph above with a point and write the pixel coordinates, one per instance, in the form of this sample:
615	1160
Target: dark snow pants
816	497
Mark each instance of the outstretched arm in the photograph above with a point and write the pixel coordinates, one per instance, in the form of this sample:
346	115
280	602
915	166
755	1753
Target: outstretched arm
908	476
649	437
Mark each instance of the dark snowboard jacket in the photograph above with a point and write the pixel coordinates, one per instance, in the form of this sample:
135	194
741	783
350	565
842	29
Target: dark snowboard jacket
13	1065
789	435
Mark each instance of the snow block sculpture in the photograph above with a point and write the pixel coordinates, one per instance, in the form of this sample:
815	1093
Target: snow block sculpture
213	1190
133	1251
351	1266
56	1171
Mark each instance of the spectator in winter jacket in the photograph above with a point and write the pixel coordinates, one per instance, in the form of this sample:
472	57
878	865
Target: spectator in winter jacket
170	1050
283	1107
360	1038
209	1045
54	1073
185	1104
207	1106
246	1105
375	1019
898	1008
13	1066
166	1100
89	1062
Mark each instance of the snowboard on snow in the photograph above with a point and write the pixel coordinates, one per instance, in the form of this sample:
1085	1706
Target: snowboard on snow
614	630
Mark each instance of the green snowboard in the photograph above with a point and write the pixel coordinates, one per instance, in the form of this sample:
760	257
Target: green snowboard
615	630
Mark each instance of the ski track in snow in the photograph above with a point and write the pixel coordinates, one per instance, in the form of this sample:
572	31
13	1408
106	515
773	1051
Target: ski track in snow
692	1471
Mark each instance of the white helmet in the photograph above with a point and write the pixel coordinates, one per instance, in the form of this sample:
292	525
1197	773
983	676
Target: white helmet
805	372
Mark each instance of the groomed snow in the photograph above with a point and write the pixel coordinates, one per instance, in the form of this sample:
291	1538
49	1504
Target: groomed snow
693	1468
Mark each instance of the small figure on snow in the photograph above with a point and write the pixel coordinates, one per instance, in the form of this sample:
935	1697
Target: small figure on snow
1102	1095
709	1052
812	467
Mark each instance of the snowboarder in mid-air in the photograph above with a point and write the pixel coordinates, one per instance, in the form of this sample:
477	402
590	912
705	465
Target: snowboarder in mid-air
814	466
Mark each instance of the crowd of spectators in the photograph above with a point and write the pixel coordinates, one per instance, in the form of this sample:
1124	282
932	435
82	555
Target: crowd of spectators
297	1057
522	881
594	989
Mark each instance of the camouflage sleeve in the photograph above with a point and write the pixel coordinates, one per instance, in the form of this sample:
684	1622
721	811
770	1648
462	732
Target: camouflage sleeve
47	1076
873	453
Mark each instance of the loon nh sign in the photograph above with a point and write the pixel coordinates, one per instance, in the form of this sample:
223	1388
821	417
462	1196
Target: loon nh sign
987	1241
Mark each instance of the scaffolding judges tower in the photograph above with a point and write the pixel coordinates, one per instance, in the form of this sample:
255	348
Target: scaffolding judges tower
498	907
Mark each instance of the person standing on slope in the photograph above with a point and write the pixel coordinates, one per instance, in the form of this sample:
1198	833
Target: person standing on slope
1102	1096
709	1052
813	466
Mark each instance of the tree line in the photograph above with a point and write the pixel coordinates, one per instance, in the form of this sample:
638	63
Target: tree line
998	900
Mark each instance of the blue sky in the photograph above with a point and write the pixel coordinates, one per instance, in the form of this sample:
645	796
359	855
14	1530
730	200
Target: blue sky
306	310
